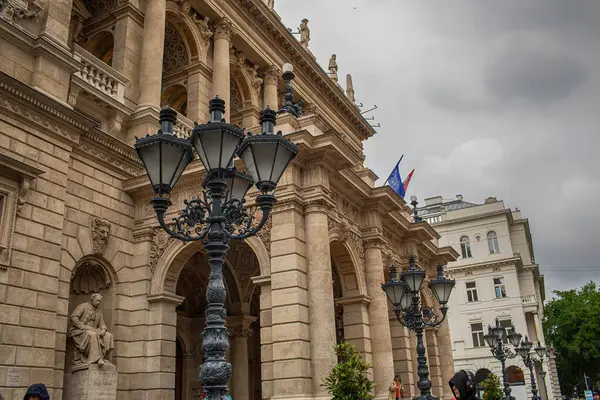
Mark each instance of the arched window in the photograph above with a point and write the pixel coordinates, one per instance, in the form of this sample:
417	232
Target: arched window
465	247
482	375
493	242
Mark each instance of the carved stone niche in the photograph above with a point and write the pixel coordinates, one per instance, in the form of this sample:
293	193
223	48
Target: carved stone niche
16	174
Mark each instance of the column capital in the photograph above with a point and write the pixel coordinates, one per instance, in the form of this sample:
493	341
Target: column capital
223	29
374	242
272	75
321	205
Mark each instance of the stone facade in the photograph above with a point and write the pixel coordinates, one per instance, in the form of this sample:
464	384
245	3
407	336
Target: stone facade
497	277
79	80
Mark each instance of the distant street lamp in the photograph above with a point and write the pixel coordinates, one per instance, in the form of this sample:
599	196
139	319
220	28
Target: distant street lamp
404	294
500	351
219	212
524	350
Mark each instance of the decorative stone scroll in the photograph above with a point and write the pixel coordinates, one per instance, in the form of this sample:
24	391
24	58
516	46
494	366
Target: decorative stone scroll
265	234
347	235
203	30
15	10
100	233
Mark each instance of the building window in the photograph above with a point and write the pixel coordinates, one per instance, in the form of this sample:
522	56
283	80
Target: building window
507	325
477	333
465	247
472	292
499	288
493	242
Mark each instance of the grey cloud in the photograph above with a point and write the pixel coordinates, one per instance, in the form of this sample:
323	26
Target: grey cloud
533	76
456	94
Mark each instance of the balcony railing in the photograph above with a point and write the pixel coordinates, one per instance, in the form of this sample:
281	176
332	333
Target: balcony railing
184	126
99	79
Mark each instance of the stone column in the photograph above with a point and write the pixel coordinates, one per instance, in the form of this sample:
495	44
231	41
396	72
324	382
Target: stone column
433	358
403	360
356	324
239	327
151	60
290	369
381	340
320	296
270	98
444	342
221	84
158	382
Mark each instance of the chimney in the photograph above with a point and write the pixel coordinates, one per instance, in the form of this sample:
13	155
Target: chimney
433	201
459	197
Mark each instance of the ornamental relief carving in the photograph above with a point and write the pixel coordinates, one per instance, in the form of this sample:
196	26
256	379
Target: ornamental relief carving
100	234
265	234
160	241
15	10
346	234
176	55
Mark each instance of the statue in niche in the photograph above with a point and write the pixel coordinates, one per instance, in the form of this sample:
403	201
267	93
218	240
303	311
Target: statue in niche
304	33
333	68
93	343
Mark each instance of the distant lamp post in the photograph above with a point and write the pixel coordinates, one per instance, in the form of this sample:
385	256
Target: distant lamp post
524	350
219	212
414	202
501	352
404	294
290	107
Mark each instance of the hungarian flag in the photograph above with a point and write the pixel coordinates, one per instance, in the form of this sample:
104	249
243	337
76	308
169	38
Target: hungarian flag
407	180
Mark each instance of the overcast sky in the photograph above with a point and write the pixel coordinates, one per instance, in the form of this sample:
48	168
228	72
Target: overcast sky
484	98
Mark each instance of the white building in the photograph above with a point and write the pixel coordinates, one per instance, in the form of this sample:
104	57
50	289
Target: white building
496	278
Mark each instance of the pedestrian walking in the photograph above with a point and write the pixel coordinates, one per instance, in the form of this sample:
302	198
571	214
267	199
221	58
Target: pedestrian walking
463	385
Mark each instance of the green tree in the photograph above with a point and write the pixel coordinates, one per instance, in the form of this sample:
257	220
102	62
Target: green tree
492	388
348	380
571	326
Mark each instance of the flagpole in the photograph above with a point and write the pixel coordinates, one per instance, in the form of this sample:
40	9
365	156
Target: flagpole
386	181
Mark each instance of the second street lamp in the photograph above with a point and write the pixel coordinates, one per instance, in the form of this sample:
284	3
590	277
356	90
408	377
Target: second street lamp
405	295
219	213
501	352
524	350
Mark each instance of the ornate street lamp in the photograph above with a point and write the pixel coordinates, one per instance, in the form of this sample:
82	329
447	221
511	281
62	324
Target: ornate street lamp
404	294
290	107
501	352
219	213
414	203
524	350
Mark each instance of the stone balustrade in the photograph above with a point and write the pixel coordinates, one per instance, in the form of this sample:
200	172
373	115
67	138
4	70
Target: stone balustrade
99	79
184	126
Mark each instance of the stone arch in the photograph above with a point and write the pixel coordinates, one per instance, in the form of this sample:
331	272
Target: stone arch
241	75
515	375
186	347
101	45
177	51
342	235
178	253
176	97
347	268
181	19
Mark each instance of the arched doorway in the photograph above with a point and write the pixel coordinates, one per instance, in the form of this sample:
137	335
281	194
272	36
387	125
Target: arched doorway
481	375
243	322
516	380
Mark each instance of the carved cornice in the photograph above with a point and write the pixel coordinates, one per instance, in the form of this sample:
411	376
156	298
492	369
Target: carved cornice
263	20
48	115
112	152
356	299
489	264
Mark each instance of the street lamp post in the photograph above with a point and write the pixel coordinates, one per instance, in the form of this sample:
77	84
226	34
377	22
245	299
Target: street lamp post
501	352
219	213
404	294
524	350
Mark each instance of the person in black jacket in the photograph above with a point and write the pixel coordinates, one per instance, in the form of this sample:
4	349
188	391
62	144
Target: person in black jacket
463	385
37	391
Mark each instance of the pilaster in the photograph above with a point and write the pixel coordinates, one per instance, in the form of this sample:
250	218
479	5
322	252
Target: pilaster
444	343
239	330
356	324
404	362
266	335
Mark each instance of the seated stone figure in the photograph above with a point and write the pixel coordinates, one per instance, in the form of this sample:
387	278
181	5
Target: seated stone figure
93	344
